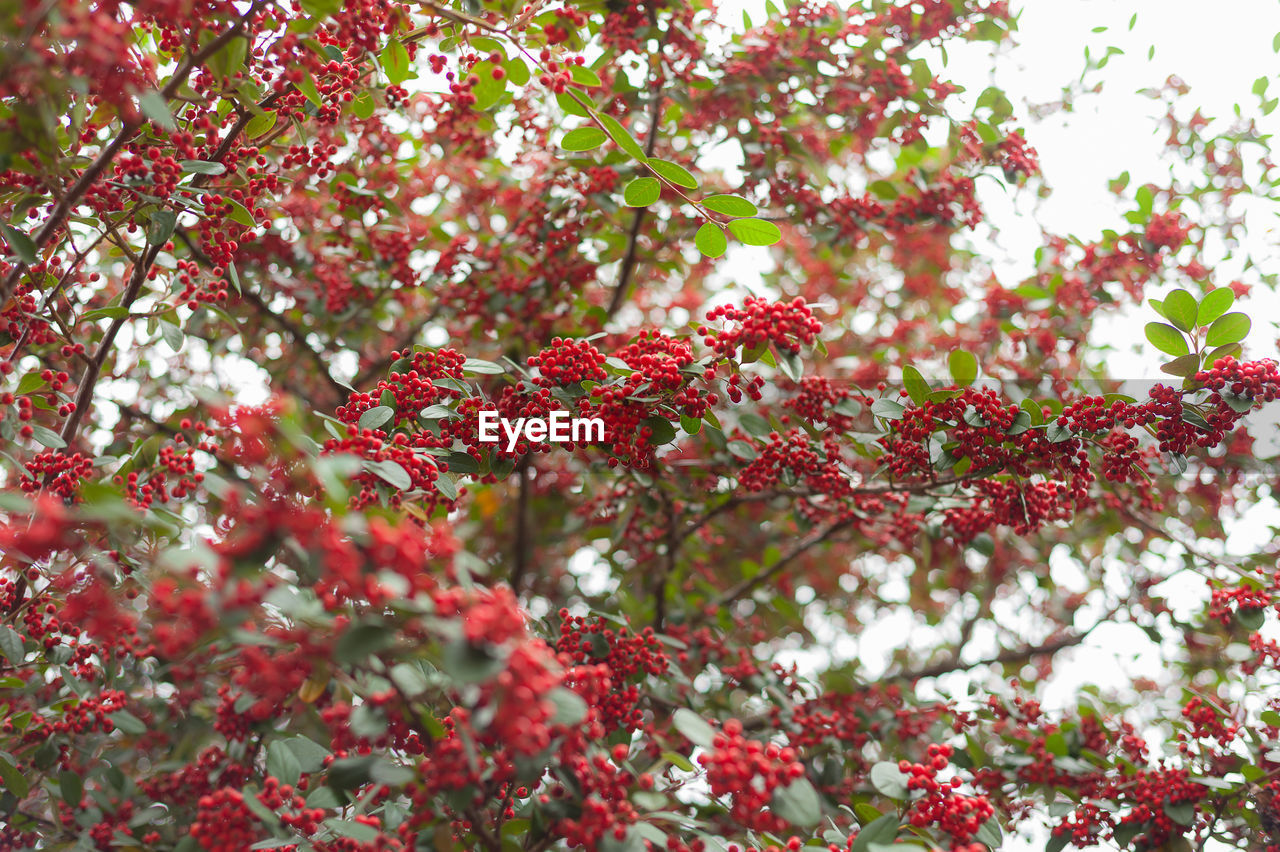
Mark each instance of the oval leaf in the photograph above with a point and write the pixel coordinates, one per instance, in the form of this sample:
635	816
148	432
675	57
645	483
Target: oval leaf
1215	305
915	384
376	417
1167	339
730	205
755	232
395	61
889	409
583	139
798	803
963	366
710	239
642	192
889	780
694	728
1230	328
1185	366
621	136
1180	309
672	173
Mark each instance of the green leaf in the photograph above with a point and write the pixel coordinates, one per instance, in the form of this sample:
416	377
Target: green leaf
889	780
881	830
672	173
307	85
1057	842
1251	619
1021	423
915	384
348	773
964	367
583	139
480	367
711	240
14	781
282	763
572	106
642	192
363	105
22	246
470	663
742	450
395	62
391	774
694	728
1183	813
47	437
1180	309
71	785
679	761
376	417
1167	339
1229	328
172	335
754	424
1231	349
730	205
887	408
240	213
621	136
357	831
29	382
662	430
153	106
360	640
490	89
260	125
1057	433
584	76
570	708
392	473
1214	305
1270	717
11	646
517	71
462	463
321	8
798	803
791	365
991	834
1183	366
309	753
755	232
128	723
202	167
1238	404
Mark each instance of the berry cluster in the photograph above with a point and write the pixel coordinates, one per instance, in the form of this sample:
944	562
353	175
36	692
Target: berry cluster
748	771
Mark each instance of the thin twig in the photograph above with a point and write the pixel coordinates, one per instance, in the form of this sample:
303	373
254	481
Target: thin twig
520	556
799	549
637	218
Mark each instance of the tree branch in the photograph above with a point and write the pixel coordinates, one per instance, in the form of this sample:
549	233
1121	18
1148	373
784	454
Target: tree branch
799	549
520	555
628	267
107	155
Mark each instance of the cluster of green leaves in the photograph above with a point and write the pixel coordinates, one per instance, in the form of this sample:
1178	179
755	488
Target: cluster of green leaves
724	214
1197	334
